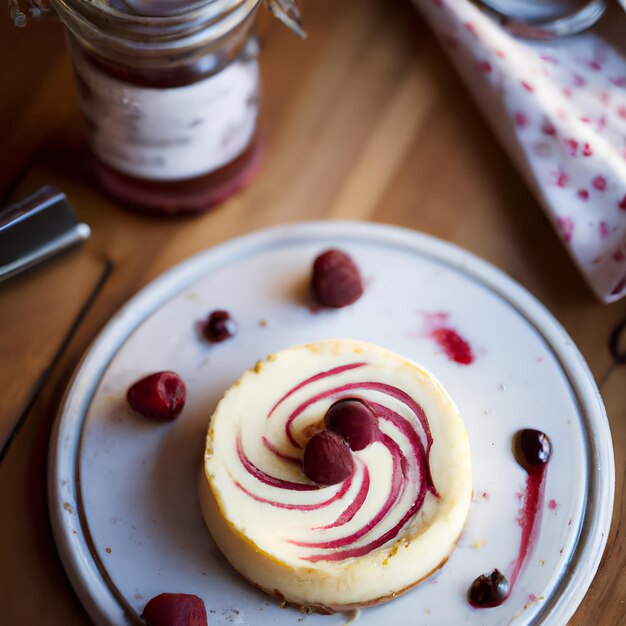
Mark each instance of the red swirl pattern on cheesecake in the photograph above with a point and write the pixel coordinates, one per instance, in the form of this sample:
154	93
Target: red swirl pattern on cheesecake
368	518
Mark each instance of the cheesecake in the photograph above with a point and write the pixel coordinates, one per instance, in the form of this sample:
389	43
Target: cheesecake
331	521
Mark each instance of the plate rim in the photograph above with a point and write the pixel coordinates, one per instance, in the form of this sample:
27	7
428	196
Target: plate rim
74	548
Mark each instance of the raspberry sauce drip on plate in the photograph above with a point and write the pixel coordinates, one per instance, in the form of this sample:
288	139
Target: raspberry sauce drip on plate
456	348
532	450
449	340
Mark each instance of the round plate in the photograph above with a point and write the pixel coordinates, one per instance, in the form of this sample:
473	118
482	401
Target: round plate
123	490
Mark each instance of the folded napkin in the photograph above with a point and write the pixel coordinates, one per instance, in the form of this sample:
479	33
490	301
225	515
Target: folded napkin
559	109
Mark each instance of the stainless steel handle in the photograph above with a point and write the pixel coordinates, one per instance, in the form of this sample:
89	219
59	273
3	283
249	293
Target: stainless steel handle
36	228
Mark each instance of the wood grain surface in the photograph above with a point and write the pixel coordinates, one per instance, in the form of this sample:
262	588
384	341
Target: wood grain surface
365	120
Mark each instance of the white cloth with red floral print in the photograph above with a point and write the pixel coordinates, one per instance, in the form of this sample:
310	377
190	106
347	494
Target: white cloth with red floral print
559	108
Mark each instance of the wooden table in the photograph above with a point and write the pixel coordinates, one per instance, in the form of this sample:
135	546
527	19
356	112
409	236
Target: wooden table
366	120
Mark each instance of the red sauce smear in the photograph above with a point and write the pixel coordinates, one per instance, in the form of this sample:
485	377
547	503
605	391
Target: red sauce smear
532	451
529	519
454	346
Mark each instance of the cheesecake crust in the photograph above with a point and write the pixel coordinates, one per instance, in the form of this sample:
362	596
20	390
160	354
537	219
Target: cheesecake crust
321	609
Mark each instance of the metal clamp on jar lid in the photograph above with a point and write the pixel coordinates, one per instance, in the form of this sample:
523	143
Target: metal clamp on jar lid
285	10
170	96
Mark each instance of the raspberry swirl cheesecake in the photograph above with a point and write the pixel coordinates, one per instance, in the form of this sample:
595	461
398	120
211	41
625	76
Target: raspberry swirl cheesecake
336	475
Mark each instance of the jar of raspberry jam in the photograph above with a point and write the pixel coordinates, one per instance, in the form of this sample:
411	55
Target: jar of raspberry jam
170	93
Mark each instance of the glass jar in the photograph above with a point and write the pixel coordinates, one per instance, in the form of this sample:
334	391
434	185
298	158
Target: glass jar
544	19
170	101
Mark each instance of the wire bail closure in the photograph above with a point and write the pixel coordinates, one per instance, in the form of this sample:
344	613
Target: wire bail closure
284	10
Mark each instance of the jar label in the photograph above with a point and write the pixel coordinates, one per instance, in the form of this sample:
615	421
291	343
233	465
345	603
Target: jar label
172	133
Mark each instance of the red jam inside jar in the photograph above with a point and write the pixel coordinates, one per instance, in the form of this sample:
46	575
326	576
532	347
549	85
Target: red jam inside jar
170	101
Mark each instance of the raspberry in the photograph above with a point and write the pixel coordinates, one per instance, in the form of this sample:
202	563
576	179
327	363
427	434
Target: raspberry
160	396
532	449
489	590
327	459
353	420
219	327
336	280
175	609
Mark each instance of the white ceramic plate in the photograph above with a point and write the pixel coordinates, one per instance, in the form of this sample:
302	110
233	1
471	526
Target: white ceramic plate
123	489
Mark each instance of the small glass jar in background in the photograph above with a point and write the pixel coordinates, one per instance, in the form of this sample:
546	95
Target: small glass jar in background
545	19
170	101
